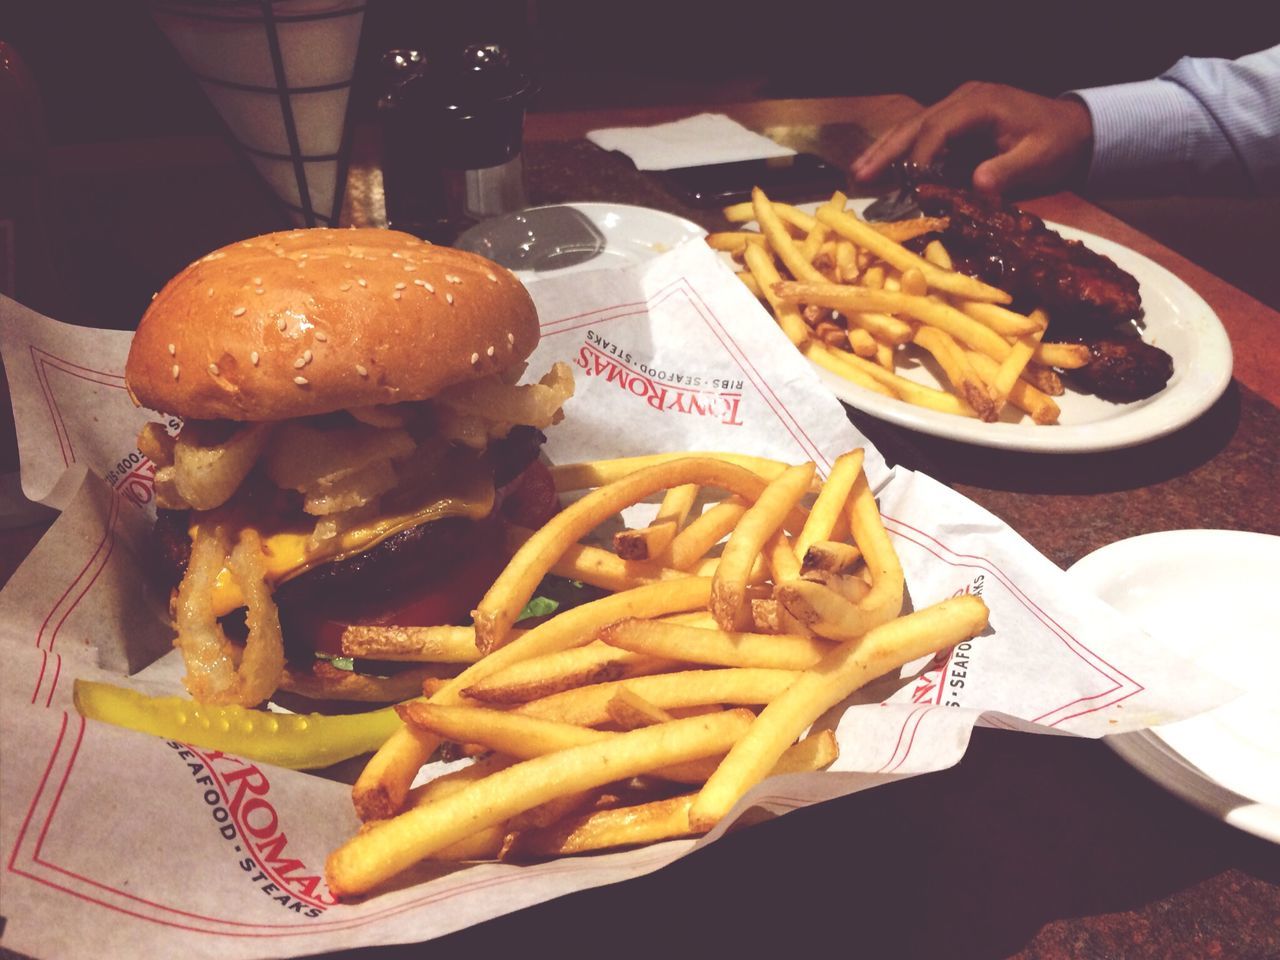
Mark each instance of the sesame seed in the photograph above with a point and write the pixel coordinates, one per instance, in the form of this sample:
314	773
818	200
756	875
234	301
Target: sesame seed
321	336
453	278
362	282
211	291
257	281
344	285
156	294
489	352
301	381
400	285
511	338
282	325
253	358
475	358
175	371
259	290
238	312
213	369
396	295
362	370
397	255
303	256
411	266
347	266
428	287
173	350
307	356
492	277
449	298
299	363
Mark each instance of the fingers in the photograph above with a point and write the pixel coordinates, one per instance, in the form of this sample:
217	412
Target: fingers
1009	170
888	147
922	135
963	116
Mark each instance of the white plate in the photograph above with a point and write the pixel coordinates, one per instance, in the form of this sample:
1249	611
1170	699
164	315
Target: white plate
1207	596
561	238
1176	319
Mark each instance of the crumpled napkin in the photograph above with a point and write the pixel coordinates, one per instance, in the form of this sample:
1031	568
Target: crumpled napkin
692	142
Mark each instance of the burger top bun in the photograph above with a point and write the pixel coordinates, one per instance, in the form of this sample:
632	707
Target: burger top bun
305	322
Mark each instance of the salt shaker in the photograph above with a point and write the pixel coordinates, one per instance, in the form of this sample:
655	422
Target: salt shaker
452	132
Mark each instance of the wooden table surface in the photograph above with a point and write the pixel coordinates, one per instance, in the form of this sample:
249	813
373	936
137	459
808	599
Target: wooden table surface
1033	846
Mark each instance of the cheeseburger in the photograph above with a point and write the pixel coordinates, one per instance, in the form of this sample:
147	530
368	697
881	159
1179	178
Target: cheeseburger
352	437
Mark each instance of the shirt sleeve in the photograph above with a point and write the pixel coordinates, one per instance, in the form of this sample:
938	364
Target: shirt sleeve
1205	125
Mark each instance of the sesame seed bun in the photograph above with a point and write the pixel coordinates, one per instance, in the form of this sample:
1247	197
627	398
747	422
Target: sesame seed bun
306	322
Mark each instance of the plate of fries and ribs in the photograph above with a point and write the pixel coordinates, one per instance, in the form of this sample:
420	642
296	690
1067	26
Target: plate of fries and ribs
1071	343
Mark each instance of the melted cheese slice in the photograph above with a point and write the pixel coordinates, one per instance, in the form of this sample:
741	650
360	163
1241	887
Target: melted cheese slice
461	487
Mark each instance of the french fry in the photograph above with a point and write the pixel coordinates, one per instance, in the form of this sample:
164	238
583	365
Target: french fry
900	231
599	473
703	532
758	524
898	256
793	216
842	672
1004	321
831	500
589	706
563	670
653	540
829	556
752	284
422	644
380	789
733	241
912	282
714	647
885	328
1064	356
1043	379
766	275
860	342
834	360
959	371
513	587
858	370
390	846
935	313
1010	370
846	262
629	711
595	566
657	820
937	254
1021	394
779	240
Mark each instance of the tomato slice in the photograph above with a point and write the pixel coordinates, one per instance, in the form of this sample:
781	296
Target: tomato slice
441	583
447	596
530	499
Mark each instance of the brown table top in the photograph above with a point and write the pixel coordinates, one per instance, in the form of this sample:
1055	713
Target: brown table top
1033	846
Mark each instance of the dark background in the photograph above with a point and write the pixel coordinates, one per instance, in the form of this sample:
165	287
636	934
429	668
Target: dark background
105	72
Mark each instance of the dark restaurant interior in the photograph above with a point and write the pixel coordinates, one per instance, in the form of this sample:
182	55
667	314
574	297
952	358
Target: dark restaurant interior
124	179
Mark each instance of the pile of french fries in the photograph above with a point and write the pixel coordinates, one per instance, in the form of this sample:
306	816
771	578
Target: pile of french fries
758	598
858	303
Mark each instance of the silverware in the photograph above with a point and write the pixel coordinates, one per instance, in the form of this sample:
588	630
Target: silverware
900	203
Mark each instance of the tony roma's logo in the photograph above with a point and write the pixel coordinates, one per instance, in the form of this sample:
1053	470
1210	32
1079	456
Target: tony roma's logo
237	794
668	391
947	676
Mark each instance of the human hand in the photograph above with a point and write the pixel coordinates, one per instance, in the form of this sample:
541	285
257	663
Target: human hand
1039	142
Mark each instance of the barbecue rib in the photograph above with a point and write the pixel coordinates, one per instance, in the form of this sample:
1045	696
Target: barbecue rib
1088	298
